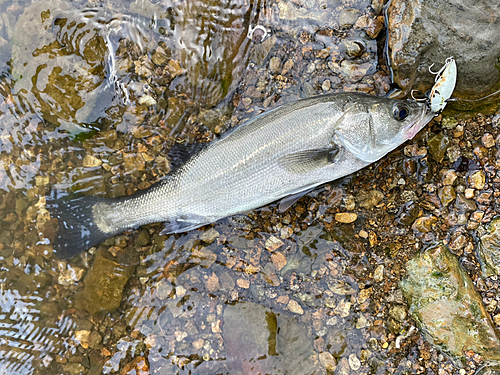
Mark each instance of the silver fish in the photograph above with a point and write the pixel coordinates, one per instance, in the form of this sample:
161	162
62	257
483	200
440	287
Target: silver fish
281	153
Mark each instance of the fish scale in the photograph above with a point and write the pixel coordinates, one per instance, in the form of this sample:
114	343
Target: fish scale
283	152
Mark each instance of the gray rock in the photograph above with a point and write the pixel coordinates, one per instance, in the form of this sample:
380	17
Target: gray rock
421	33
255	336
447	308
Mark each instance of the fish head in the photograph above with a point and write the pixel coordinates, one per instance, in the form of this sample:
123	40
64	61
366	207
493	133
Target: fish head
372	129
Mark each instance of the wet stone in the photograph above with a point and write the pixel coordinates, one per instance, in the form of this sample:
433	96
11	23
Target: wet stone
275	64
287	66
449	122
489	249
445	305
273	243
293	306
104	282
346	217
464	204
253	333
488	140
327	361
143	239
371	199
477	180
446	195
378	275
424	224
354	362
398	312
210	235
348	17
449	176
438	145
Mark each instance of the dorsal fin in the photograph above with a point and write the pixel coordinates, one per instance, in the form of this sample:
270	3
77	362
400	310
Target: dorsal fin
180	153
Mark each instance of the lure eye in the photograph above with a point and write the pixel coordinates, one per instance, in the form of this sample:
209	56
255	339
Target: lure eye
400	111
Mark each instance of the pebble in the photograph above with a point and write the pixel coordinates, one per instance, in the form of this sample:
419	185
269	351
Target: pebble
279	261
209	236
346	217
343	367
496	319
378	275
287	66
82	337
70	275
147	100
326	85
348	17
372	199
143	239
273	243
293	306
95	339
446	195
213	283
363	234
449	122
449	176
349	202
180	335
275	65
354	362
488	140
91	161
398	312
424	224
343	308
242	283
327	361
477	180
469	193
198	344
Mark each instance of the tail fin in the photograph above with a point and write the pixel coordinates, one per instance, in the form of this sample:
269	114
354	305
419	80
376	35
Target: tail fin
77	230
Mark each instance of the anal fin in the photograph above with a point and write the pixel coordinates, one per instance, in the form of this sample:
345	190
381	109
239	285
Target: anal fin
184	224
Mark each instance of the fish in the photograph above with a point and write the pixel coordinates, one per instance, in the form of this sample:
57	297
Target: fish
282	153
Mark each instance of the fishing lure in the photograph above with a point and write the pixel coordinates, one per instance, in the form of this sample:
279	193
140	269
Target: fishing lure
441	92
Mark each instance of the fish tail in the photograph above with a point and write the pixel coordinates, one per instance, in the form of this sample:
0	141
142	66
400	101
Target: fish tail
77	230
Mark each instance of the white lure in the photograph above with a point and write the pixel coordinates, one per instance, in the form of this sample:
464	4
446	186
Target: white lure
441	92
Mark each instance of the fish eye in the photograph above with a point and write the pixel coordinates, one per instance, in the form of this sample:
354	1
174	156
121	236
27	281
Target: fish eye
400	111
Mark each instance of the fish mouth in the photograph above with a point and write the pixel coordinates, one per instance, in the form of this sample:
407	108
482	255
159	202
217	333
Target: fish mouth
412	130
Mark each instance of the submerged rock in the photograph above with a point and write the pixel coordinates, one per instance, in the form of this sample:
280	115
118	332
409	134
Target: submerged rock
422	33
58	61
489	249
446	306
105	281
256	338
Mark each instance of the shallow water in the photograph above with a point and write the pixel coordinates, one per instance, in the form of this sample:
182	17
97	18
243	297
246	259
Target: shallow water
308	292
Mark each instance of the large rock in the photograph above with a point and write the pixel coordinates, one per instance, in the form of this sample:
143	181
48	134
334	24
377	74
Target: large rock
421	33
446	306
106	279
259	341
489	249
59	63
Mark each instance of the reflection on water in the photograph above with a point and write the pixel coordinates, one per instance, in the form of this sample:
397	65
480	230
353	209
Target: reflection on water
31	333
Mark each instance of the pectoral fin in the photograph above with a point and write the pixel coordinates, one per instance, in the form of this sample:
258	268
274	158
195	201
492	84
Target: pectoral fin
305	161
